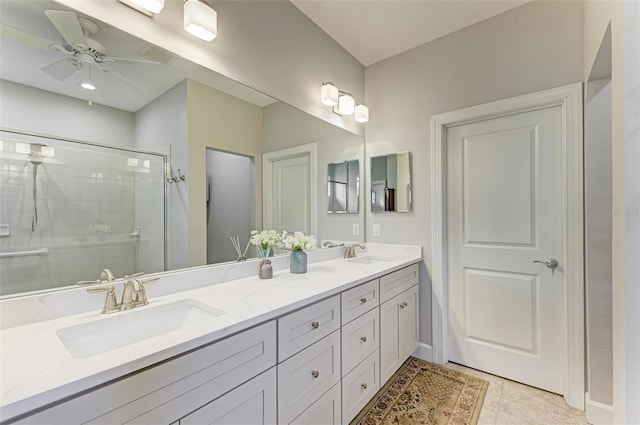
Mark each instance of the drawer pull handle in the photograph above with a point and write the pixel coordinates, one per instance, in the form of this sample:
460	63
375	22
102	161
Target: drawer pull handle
315	325
403	305
363	300
363	338
364	385
315	373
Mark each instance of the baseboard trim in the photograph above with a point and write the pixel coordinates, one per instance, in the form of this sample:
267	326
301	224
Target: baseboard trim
424	352
598	413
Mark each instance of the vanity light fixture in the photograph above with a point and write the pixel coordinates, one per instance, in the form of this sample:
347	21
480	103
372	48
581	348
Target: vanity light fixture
346	104
148	7
343	103
329	94
88	85
200	20
362	113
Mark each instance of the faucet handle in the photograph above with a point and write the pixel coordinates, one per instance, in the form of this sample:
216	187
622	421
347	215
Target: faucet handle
143	291
110	302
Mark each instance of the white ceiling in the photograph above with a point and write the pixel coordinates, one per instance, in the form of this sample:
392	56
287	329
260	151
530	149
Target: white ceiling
373	30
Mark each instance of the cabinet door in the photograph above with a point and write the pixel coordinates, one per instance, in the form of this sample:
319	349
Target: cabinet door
389	338
408	323
252	403
326	411
398	331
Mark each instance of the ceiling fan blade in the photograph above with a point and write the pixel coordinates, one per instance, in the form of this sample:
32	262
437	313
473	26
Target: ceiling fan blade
123	78
63	69
29	39
68	26
128	60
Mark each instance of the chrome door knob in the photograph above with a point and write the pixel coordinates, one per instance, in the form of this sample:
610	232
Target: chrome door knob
551	263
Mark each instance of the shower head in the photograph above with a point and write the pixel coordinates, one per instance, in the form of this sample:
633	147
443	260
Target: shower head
36	154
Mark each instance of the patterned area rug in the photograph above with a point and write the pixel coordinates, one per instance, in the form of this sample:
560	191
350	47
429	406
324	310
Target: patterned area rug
427	394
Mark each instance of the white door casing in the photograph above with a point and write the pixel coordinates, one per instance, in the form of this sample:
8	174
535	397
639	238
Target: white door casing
504	211
569	100
289	189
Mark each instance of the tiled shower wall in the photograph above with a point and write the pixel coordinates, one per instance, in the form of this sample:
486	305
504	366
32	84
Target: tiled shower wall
90	199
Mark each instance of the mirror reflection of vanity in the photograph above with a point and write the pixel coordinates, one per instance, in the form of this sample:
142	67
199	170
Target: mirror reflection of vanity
178	110
391	183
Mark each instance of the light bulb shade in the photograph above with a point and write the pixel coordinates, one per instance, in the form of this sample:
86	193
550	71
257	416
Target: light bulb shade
153	6
362	113
88	85
329	94
346	104
200	20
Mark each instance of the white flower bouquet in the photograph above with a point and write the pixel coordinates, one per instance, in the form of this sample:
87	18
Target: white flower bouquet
266	240
298	241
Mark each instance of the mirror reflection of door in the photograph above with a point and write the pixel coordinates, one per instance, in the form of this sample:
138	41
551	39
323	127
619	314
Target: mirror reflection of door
291	194
230	203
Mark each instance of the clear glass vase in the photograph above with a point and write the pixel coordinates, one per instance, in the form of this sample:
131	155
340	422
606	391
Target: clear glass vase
298	262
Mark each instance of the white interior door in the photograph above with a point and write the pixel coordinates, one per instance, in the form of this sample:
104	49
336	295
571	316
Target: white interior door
506	312
292	194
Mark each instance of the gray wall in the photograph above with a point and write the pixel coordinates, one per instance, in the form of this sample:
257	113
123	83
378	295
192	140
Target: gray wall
533	47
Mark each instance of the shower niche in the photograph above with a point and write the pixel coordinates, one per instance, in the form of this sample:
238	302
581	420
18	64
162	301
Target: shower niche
70	209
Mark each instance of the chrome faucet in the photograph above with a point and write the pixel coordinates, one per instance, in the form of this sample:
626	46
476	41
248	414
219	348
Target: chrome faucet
350	250
329	244
134	294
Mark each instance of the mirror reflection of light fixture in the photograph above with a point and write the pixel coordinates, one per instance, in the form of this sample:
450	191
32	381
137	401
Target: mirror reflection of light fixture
343	103
200	20
148	7
329	94
88	85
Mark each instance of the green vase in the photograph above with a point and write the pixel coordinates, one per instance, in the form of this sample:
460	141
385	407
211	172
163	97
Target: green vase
298	262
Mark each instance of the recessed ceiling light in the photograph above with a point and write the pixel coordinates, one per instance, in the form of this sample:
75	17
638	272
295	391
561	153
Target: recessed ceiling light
87	85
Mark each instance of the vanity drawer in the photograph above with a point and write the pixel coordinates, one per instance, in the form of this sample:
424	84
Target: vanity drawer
360	338
326	411
302	328
172	389
359	386
253	402
397	282
359	300
303	378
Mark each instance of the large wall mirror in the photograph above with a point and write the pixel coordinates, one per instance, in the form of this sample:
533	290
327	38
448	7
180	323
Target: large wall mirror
151	116
391	183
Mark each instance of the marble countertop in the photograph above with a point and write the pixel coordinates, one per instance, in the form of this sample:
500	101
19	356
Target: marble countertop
37	369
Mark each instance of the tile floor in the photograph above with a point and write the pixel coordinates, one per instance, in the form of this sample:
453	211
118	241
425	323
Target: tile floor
511	403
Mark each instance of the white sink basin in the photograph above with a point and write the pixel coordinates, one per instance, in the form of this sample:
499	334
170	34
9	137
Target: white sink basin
124	328
368	259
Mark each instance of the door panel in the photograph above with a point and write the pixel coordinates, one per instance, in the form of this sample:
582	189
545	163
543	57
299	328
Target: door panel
292	194
504	211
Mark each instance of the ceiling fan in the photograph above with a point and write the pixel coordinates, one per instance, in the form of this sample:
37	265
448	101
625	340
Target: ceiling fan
79	46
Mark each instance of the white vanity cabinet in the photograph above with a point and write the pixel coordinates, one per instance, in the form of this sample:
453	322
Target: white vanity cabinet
171	390
308	355
320	364
398	331
360	347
